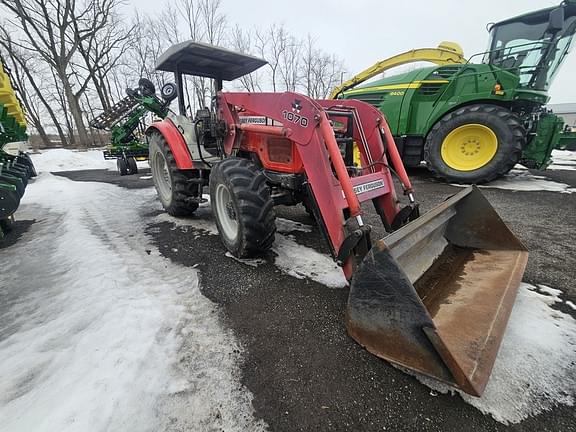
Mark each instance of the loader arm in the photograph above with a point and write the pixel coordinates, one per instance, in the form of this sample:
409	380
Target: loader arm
445	53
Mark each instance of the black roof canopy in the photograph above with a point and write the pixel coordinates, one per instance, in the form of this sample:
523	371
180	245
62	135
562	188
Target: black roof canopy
194	58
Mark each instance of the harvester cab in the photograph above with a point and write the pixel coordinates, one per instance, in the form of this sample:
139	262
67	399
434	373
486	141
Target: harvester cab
533	46
433	296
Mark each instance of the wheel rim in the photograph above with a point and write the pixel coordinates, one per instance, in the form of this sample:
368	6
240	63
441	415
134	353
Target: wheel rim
469	147
226	212
161	175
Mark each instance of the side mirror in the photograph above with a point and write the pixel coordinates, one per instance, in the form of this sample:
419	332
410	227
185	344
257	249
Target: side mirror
556	20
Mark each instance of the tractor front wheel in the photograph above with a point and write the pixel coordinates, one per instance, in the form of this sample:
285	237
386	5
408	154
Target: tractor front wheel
242	206
177	193
475	144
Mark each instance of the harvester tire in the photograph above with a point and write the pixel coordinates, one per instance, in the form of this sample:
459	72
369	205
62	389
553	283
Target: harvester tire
132	166
242	206
501	127
175	190
122	166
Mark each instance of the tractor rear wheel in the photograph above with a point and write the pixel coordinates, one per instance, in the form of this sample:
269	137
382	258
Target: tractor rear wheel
242	206
179	196
132	166
122	166
475	144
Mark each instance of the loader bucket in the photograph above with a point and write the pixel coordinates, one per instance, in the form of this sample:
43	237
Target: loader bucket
435	296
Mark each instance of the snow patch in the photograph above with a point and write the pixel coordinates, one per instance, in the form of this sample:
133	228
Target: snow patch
523	180
563	160
108	334
252	262
303	262
56	160
287	226
535	369
201	220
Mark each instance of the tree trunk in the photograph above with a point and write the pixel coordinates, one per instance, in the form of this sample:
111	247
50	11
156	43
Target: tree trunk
42	132
75	111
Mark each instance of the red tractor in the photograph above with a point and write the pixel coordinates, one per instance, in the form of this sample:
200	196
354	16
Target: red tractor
433	296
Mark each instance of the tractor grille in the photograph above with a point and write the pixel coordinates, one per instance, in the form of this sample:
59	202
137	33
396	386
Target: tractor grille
431	89
374	99
444	72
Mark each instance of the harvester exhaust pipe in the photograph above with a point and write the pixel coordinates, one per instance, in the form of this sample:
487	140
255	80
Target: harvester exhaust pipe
435	295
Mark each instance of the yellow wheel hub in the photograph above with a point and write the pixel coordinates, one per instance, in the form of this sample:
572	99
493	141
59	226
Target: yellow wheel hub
469	147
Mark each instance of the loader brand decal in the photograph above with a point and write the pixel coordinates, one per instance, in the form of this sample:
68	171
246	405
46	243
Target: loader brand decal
295	118
261	120
367	187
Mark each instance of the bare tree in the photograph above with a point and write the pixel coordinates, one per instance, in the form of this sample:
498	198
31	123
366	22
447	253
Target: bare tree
289	64
47	28
320	71
28	99
27	64
102	50
192	16
56	29
242	42
271	45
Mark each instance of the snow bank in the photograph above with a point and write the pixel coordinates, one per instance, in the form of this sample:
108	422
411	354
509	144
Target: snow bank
102	332
535	369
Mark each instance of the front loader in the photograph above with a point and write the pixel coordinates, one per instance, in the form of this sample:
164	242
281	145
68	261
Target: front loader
433	296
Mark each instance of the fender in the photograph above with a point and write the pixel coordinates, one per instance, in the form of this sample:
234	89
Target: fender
175	141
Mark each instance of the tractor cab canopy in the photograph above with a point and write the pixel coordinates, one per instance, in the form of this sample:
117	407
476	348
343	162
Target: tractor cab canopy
533	45
198	59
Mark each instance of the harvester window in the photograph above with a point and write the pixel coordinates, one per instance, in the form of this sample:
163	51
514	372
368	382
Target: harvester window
528	48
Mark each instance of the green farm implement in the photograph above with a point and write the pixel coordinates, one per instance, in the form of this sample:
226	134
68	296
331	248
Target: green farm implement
15	169
124	121
472	122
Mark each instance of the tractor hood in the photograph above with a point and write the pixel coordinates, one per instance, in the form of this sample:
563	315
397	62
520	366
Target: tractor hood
400	81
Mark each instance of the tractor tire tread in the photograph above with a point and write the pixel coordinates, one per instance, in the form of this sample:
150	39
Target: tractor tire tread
254	204
180	205
511	158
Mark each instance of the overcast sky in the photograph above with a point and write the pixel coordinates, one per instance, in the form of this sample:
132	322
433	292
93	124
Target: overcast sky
362	32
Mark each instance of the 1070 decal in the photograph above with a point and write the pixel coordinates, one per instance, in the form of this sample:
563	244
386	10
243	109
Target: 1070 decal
295	118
